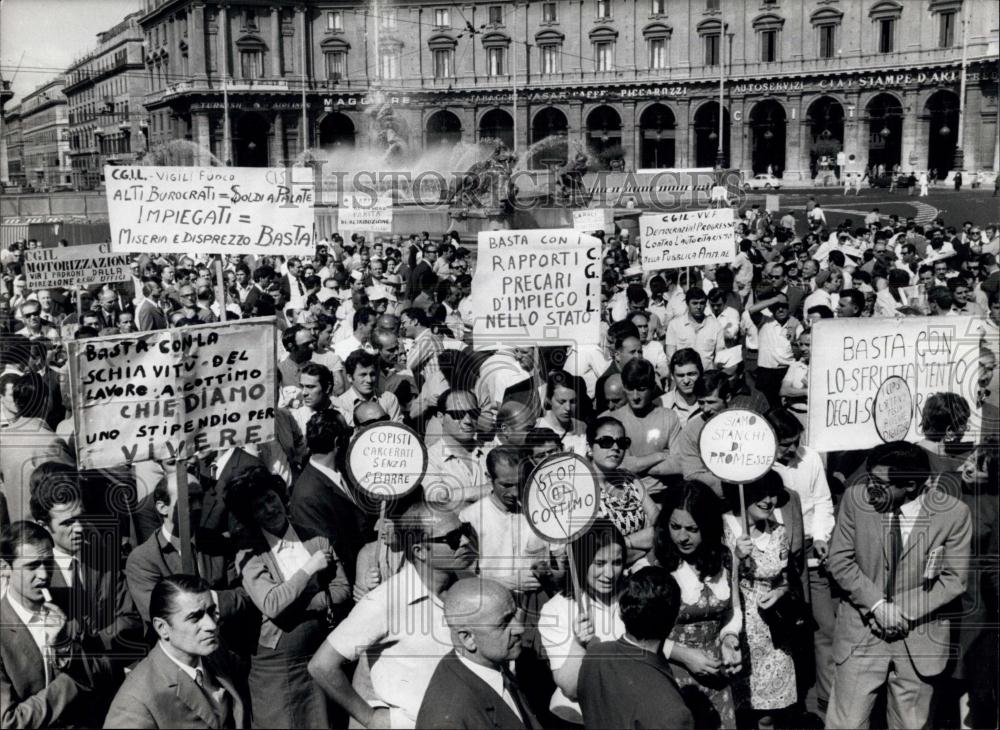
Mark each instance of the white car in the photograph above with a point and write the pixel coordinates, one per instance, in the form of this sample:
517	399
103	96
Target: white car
762	182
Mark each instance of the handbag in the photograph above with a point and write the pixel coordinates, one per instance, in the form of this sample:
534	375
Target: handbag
790	613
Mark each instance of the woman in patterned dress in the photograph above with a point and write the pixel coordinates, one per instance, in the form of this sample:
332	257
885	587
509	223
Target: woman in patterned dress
767	689
706	635
623	499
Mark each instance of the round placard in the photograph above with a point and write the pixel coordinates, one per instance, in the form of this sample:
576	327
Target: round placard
738	445
386	460
892	410
561	498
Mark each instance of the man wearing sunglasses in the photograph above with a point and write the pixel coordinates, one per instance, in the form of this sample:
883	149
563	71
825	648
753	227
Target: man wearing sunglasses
401	621
456	473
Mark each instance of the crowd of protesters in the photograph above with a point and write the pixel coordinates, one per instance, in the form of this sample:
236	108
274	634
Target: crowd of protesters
857	588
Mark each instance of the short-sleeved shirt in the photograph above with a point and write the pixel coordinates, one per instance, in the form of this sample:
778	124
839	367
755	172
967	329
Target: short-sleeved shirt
701	336
508	547
657	431
400	625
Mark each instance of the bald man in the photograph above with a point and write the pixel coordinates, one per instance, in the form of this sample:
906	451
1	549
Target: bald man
369	412
514	421
473	685
614	392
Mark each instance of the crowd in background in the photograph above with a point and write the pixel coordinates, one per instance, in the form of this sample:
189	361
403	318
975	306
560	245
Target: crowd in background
859	586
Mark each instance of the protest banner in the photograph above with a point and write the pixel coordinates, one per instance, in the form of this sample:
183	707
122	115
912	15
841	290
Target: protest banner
893	409
772	203
217	210
363	213
561	501
536	285
738	445
74	266
590	220
386	460
851	359
172	394
689	238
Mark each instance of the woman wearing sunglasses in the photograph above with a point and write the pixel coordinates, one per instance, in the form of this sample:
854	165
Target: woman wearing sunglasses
623	499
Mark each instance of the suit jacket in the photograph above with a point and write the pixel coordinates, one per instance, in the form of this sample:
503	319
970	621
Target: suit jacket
149	316
27	442
457	698
796	295
25	701
320	507
285	603
623	686
156	558
100	610
158	694
57	407
858	561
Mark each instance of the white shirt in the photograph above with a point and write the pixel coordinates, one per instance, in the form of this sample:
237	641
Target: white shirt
806	477
494	680
508	547
288	552
908	516
346	346
35	623
215	690
333	476
65	563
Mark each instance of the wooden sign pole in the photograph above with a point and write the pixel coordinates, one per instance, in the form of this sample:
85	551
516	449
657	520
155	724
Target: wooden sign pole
220	288
184	518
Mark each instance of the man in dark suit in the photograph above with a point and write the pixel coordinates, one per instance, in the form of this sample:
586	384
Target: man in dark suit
45	678
148	312
900	552
87	581
160	556
472	685
321	500
38	362
189	679
777	278
291	286
628	683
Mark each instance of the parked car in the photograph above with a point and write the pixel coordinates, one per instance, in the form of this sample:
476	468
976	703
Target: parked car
762	182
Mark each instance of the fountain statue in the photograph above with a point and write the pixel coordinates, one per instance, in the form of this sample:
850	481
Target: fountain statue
484	190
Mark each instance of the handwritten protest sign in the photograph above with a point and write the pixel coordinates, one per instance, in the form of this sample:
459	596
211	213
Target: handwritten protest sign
738	445
537	285
590	220
893	409
852	358
72	266
690	238
386	460
172	394
561	498
218	210
363	213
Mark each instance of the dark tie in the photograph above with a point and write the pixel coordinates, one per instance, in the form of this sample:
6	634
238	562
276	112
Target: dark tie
510	685
223	707
895	538
298	283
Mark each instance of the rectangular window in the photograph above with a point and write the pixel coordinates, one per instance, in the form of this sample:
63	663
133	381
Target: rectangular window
657	53
390	64
827	41
886	35
442	18
603	8
336	65
550	59
334	20
657	7
250	19
549	13
495	61
712	49
604	56
442	63
768	46
252	64
496	14
712	4
946	38
388	18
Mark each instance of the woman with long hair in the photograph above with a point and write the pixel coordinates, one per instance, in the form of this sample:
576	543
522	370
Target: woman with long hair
566	630
706	650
